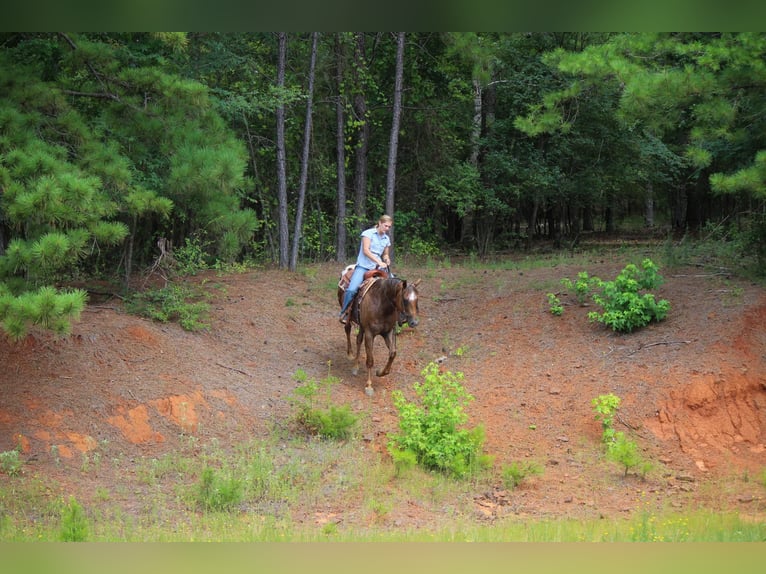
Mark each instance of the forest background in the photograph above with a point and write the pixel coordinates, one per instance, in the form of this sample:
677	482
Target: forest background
119	150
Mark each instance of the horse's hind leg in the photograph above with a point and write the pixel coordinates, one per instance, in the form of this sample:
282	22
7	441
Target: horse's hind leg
369	339
390	339
359	337
349	353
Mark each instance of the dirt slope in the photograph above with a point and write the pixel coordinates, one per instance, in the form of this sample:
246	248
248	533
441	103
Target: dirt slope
693	387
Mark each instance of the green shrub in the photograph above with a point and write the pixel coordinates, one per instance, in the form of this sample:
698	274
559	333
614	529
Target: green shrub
554	305
10	463
434	431
606	409
619	448
624	452
177	303
624	307
516	473
582	286
218	492
74	524
191	258
326	420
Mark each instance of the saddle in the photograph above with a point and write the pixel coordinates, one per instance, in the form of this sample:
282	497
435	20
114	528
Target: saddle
369	278
345	276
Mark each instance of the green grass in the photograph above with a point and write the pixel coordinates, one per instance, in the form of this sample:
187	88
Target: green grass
291	489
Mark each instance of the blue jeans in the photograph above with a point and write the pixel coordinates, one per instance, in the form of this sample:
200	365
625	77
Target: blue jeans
357	277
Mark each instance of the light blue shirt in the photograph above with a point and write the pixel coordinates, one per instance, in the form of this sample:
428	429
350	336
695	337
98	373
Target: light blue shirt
378	244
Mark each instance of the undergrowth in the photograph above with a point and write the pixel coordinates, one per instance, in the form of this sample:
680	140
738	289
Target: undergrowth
175	303
432	430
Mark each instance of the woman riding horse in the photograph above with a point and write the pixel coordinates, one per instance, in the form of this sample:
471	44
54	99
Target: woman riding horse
373	254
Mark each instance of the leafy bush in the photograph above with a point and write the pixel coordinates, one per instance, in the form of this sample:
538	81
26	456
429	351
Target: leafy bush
191	258
74	524
516	472
624	452
326	420
606	409
554	305
176	303
619	448
10	463
625	309
218	492
433	432
582	286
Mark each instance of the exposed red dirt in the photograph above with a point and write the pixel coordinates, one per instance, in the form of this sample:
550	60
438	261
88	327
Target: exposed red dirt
693	387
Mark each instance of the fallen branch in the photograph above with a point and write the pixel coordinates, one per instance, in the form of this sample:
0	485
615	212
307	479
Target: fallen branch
234	369
635	429
661	343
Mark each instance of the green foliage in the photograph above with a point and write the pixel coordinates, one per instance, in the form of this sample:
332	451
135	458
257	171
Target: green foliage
46	307
582	286
191	258
517	472
217	491
74	523
619	448
625	452
554	304
624	307
434	430
315	411
606	409
10	463
177	303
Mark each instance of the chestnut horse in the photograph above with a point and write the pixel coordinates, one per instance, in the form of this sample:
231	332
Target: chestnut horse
378	309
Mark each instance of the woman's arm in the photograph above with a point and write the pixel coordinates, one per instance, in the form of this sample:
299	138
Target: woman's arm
366	250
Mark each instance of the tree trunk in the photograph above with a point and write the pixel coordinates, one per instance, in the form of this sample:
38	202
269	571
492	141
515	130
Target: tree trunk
394	141
305	158
466	233
281	157
360	111
340	247
649	206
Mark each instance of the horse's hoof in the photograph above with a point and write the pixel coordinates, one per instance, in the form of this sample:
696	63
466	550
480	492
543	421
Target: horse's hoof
355	372
368	391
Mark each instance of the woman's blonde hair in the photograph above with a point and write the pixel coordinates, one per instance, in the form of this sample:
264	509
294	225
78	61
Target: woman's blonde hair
386	219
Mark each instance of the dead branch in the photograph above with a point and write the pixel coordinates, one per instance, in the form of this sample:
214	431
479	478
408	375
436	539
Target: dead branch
234	369
641	347
164	263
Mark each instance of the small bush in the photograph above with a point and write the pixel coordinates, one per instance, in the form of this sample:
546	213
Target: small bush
554	305
326	420
606	409
433	431
175	303
624	452
624	307
192	257
582	286
516	473
619	448
74	524
10	463
218	492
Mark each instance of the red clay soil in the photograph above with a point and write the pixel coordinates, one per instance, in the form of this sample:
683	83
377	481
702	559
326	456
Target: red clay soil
693	387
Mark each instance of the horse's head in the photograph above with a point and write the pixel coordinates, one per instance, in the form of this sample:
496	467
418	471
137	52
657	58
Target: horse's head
409	300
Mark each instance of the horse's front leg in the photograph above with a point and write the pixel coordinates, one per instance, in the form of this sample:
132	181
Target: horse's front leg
359	336
390	339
